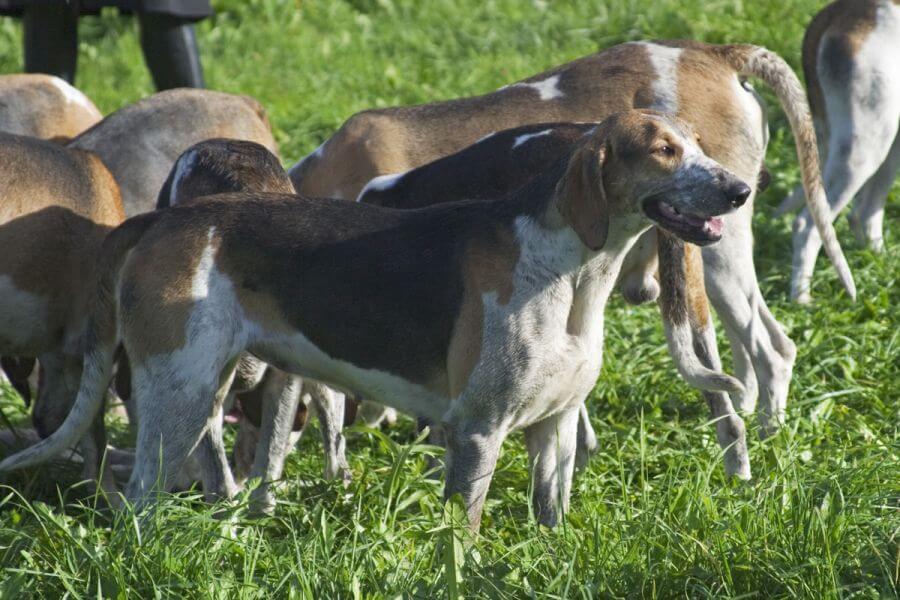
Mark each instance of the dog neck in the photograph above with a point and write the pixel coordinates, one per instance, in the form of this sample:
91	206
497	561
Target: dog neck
551	252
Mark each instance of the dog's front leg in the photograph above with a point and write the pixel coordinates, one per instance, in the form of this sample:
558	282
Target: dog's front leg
281	395
472	451
551	448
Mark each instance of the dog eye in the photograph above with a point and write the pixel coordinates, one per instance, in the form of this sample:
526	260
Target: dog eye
666	150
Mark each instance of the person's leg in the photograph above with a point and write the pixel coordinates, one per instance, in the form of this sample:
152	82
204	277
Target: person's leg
170	50
51	38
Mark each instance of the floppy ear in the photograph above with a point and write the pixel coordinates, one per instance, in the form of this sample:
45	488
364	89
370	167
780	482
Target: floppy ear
581	197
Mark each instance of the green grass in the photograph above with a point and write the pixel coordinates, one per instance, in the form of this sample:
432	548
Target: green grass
653	516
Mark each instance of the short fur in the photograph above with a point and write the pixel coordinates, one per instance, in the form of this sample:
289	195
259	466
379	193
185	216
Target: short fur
44	106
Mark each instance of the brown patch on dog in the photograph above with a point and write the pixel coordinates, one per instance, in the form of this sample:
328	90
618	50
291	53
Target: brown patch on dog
839	29
394	140
581	196
58	205
488	267
673	297
706	101
156	303
698	305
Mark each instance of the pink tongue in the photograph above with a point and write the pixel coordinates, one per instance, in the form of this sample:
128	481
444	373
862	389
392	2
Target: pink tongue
713	226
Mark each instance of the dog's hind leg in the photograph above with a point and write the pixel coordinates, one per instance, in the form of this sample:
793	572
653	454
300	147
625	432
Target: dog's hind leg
97	466
743	370
551	449
746	316
218	482
731	432
178	396
730	279
867	216
329	406
281	395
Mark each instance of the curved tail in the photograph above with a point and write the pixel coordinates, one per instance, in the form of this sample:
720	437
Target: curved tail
101	338
755	61
682	301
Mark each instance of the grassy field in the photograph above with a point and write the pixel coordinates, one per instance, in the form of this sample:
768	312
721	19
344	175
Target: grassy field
653	515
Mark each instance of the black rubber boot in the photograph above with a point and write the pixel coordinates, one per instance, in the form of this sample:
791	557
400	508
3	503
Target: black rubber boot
170	49
51	38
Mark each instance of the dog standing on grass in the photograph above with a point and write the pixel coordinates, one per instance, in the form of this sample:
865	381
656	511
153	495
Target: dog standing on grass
58	205
850	59
484	316
45	107
263	441
499	164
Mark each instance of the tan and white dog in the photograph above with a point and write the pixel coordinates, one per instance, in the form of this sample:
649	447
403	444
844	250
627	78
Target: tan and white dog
850	55
484	316
703	84
58	205
44	106
140	142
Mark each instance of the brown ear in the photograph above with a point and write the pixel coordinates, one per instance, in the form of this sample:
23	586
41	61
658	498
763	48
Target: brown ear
581	197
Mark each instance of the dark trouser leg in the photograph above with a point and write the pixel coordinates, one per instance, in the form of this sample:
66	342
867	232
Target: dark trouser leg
51	38
170	49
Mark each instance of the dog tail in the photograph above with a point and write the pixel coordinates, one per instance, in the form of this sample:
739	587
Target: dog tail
754	61
683	304
101	338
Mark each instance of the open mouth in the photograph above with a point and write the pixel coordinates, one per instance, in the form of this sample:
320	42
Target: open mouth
691	228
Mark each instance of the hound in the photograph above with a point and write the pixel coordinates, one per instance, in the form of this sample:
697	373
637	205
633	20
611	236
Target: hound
140	142
485	316
703	84
850	55
502	162
44	106
58	205
218	166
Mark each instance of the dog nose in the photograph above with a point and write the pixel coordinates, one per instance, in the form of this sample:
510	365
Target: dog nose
738	194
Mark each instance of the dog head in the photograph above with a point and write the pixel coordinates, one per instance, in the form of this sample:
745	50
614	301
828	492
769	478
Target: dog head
648	163
218	166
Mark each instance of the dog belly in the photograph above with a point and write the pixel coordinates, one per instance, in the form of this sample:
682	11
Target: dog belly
297	354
